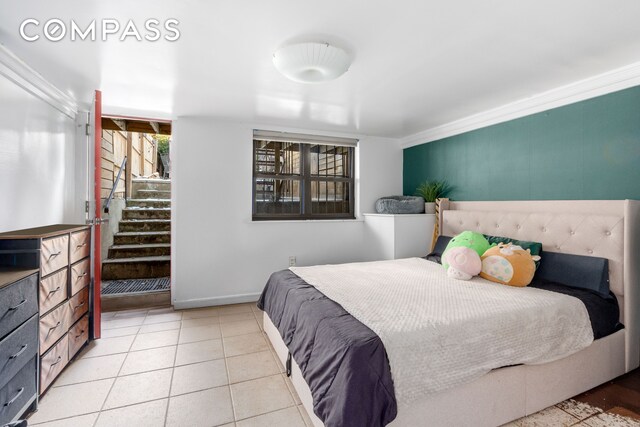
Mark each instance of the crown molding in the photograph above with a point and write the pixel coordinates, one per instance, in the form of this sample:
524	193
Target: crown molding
17	71
602	84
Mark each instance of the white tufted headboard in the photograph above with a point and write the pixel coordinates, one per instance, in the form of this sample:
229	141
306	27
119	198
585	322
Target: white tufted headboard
607	229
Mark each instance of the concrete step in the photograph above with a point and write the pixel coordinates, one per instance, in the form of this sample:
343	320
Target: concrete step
138	300
152	194
149	203
145	225
151	184
136	268
142	238
146	213
135	251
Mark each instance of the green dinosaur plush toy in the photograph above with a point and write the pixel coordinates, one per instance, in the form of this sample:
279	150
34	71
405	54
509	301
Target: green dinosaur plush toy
467	239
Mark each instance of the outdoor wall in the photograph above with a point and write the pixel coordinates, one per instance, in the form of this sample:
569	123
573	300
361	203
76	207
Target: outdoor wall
114	150
586	150
218	254
37	162
143	154
142	159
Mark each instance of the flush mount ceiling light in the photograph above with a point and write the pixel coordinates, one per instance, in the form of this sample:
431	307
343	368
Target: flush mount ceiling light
311	62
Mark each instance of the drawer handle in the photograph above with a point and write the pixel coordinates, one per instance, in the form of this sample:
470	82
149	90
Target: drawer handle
80	334
22	350
79	305
15	397
81	245
53	255
56	362
15	307
54	291
80	276
52	328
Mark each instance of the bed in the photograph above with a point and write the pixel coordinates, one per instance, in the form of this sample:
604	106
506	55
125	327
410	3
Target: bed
607	229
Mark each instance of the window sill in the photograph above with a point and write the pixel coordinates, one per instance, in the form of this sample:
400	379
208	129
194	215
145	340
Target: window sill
393	215
303	221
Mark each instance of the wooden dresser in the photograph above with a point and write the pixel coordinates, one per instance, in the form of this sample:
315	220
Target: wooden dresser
61	254
18	342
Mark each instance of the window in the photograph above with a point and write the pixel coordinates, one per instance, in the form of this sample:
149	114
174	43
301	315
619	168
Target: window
302	176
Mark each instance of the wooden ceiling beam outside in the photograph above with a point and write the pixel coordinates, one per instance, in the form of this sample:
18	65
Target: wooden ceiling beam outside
122	124
109	124
112	123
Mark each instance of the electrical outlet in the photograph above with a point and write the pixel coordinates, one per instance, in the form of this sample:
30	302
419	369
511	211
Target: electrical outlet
292	261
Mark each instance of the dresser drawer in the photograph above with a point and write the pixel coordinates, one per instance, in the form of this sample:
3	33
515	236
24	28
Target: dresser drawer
52	363
53	326
80	245
80	276
78	305
54	254
78	335
17	348
18	391
53	290
18	302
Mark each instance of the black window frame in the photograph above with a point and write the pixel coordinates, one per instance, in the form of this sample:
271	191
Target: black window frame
306	178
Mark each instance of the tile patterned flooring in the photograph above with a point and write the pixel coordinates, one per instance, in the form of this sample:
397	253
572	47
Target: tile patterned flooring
204	367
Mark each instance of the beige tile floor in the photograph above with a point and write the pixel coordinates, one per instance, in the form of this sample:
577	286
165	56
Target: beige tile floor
160	367
200	368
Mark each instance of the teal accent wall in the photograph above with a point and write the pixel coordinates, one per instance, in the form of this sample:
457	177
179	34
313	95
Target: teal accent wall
586	150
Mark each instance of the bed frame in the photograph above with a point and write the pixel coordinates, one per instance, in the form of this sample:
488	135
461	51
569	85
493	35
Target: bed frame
608	229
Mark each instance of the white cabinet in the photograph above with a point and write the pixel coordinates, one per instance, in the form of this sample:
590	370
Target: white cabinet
400	236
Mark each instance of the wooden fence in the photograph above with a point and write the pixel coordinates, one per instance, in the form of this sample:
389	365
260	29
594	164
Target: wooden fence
141	151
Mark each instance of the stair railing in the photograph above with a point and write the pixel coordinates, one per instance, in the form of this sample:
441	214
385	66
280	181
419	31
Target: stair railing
115	185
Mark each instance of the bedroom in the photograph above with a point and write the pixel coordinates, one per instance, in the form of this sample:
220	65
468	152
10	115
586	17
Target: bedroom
524	109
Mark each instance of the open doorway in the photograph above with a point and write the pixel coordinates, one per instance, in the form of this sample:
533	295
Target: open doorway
136	195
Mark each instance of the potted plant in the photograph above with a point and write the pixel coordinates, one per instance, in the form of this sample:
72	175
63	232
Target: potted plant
430	191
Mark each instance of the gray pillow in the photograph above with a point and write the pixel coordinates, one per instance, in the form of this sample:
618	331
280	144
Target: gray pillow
576	271
438	249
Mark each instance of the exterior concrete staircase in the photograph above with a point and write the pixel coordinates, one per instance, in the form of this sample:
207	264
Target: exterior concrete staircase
142	245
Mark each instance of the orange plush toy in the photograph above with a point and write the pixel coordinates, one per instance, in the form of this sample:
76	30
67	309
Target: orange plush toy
508	264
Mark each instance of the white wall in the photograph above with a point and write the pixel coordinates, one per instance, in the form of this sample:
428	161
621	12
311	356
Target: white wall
218	254
37	161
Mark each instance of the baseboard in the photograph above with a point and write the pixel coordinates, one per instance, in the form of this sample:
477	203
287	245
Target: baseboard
208	302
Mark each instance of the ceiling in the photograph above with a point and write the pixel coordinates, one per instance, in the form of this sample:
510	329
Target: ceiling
417	64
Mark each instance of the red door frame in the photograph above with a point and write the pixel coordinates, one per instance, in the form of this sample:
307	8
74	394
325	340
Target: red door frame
97	258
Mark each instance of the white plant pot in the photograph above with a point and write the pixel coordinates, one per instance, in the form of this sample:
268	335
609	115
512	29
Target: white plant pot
430	207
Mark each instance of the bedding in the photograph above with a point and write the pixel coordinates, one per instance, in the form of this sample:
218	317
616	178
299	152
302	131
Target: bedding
341	359
584	272
604	313
330	346
438	249
466	328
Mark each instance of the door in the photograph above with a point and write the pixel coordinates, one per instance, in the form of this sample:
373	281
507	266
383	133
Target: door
95	138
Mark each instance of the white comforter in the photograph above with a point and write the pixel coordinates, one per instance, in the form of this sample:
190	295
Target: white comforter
440	332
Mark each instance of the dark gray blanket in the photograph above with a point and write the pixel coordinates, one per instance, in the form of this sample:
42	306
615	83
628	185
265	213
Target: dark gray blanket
343	361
